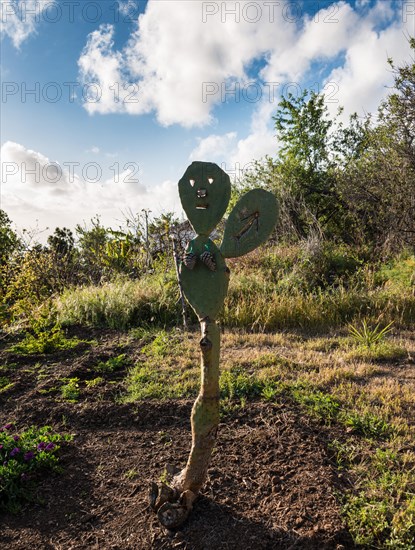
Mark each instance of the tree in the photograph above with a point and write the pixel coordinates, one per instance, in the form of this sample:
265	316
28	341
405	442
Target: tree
303	173
9	241
379	184
62	242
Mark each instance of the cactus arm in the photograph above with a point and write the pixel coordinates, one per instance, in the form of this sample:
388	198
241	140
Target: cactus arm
250	223
205	289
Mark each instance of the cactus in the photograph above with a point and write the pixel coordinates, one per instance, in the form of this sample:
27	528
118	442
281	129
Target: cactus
205	192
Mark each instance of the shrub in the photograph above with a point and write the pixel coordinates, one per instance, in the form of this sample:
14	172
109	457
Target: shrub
24	456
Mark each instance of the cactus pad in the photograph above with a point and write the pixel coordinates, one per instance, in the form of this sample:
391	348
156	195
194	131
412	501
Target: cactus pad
205	288
250	223
205	190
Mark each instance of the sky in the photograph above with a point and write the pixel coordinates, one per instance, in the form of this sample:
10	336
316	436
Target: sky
105	103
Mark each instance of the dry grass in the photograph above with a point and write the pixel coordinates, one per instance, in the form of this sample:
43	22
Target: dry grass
368	402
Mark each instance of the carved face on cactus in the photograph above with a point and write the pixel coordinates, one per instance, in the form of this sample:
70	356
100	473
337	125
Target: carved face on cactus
205	190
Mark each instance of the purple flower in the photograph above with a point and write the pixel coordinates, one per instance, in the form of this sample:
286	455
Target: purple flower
15	451
8	426
1	446
29	455
49	447
41	446
16	437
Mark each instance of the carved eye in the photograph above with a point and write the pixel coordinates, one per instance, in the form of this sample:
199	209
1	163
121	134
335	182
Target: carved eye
192	182
210	180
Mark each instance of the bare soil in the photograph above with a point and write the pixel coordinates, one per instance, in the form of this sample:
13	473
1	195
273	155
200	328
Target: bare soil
271	485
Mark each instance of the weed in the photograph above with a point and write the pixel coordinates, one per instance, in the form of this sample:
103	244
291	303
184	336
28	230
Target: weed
94	382
367	424
367	336
44	341
317	403
229	406
164	477
237	383
70	390
5	384
131	474
164	344
344	454
269	393
113	364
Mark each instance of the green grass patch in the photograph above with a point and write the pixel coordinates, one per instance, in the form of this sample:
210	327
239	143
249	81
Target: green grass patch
383	352
113	364
44	341
382	513
123	304
5	384
70	390
367	424
317	403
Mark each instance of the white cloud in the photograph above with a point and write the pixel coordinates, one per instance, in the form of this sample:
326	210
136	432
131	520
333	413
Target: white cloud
170	60
94	149
215	148
36	188
19	18
358	84
127	8
364	79
175	65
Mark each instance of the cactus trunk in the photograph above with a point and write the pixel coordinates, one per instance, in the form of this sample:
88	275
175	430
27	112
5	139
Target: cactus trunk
174	503
205	412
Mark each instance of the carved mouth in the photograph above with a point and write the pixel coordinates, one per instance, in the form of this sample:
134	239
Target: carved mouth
201	206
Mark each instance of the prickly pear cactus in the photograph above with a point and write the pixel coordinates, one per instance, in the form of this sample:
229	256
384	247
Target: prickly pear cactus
205	192
250	223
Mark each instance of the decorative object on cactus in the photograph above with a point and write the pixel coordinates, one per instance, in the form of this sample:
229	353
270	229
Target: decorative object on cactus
205	192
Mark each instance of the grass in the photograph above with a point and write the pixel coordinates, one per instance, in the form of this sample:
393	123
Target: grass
44	341
70	390
368	404
113	364
275	289
354	383
121	305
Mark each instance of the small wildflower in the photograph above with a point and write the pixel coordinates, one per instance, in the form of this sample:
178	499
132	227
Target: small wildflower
8	426
16	437
49	447
28	456
41	446
15	451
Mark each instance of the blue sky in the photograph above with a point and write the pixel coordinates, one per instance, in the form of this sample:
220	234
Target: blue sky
186	75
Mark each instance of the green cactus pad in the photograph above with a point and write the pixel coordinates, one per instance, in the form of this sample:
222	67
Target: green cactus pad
250	223
205	289
205	190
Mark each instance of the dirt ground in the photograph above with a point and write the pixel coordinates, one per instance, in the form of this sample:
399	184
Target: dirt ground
271	485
